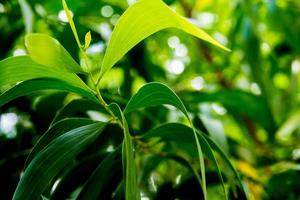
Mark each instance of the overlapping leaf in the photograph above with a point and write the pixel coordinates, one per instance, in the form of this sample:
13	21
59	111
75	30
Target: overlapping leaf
47	51
30	86
22	68
153	94
53	158
131	188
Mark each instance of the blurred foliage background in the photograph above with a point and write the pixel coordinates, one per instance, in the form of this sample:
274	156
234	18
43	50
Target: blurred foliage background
247	99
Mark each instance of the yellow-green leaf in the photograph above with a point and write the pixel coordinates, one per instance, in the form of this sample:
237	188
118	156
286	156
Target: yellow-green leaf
141	20
88	39
46	50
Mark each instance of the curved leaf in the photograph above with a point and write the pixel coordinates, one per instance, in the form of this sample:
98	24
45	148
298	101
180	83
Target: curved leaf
131	188
22	68
133	27
55	131
53	158
30	86
47	51
153	94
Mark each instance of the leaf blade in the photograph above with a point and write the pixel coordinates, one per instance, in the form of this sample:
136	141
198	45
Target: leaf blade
51	160
47	51
30	86
131	188
131	29
11	73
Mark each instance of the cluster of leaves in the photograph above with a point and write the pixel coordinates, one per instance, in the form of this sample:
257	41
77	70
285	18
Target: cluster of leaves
85	148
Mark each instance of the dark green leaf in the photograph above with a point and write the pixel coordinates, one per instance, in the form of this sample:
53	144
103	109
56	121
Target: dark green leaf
107	175
53	158
131	187
55	131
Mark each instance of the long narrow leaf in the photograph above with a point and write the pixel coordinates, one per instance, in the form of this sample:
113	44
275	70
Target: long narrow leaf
30	86
141	20
53	158
153	94
131	188
22	68
55	131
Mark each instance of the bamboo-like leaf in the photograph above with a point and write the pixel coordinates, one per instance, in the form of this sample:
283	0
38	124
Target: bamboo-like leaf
46	50
141	20
22	68
53	158
131	188
30	86
55	131
107	175
153	94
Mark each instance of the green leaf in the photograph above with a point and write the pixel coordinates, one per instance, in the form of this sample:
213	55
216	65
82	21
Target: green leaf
153	94
87	39
131	187
184	134
53	158
22	68
30	86
46	50
107	175
141	20
55	131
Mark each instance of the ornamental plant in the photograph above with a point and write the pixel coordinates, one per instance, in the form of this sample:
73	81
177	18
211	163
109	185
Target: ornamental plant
116	158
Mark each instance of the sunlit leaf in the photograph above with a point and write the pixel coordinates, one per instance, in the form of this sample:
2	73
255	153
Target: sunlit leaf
53	158
87	40
154	94
22	68
30	86
46	50
141	20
